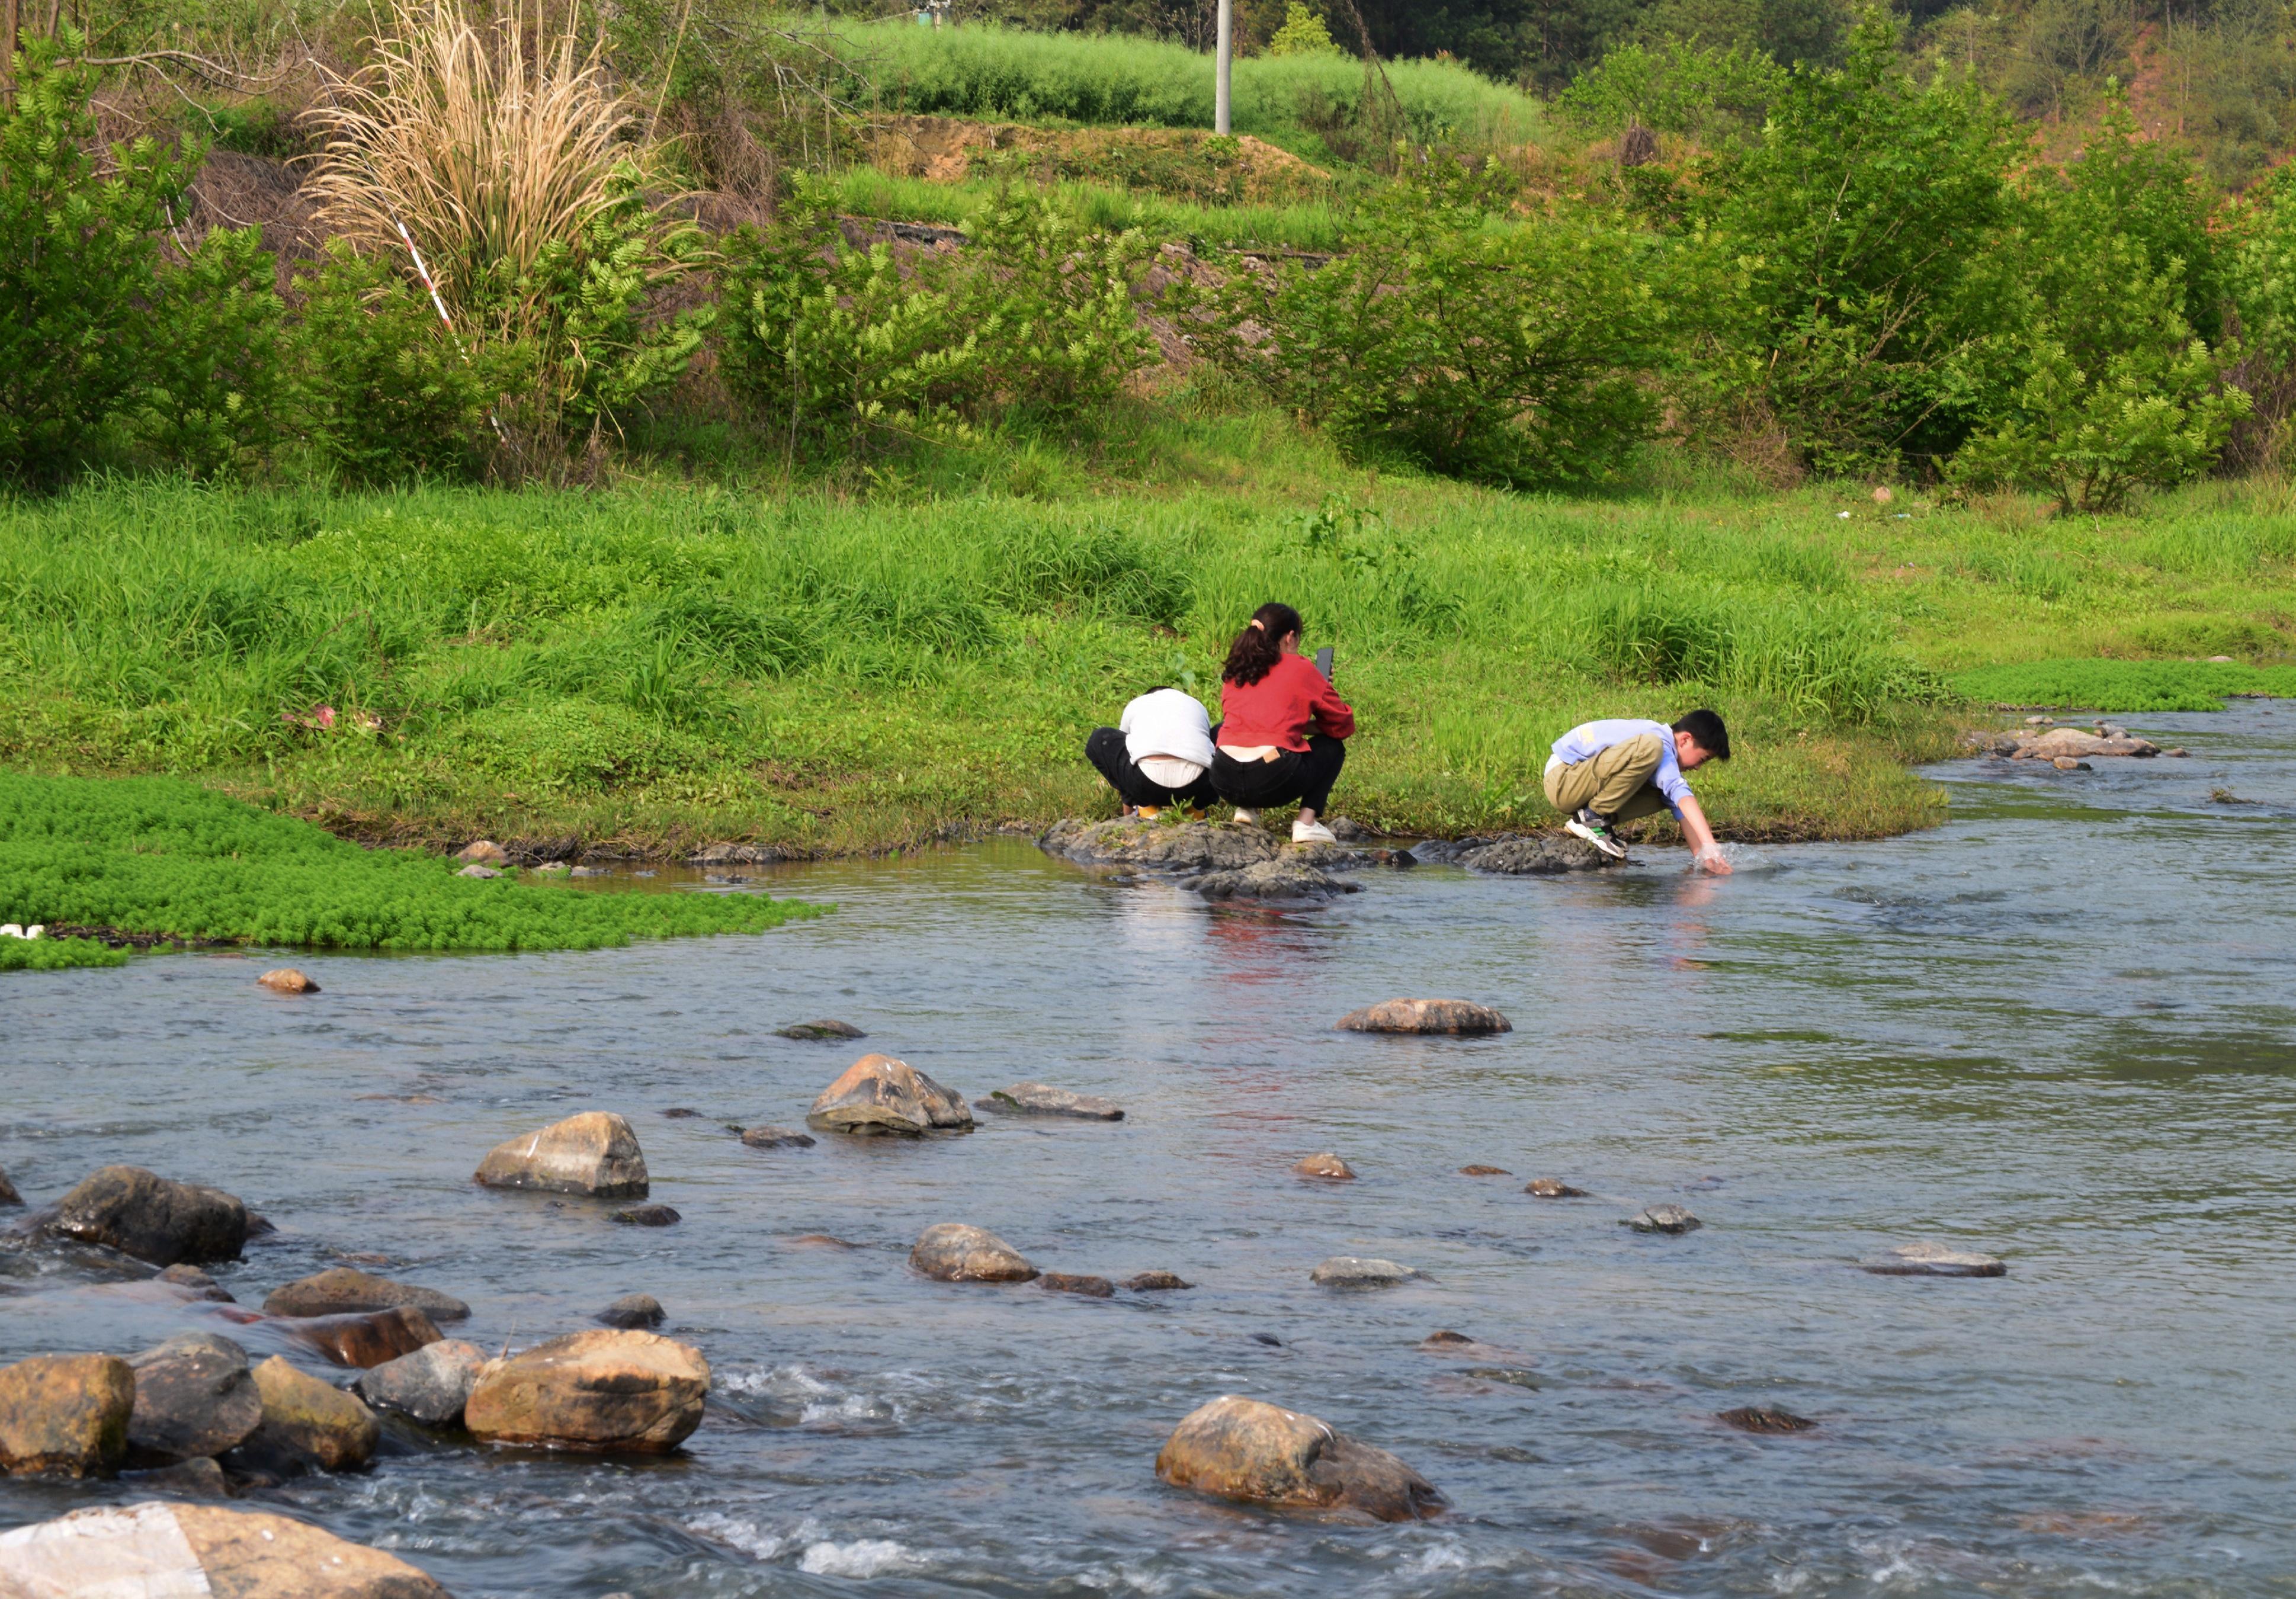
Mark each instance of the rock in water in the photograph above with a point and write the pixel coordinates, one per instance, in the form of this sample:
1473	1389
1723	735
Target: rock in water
1358	1271
771	1137
65	1415
159	1551
1552	1188
8	1194
1240	1449
197	1478
1765	1418
952	1252
1091	1287
130	1209
1289	878
881	1096
594	1154
286	979
197	1284
1157	846
1933	1260
1037	1099
194	1396
639	1310
307	1423
1156	1281
431	1385
1664	1218
1454	1017
599	1391
648	1216
823	1029
1325	1167
1485	1171
485	852
367	1339
340	1289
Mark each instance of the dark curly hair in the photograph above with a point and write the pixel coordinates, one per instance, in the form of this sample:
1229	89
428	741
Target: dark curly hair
1260	646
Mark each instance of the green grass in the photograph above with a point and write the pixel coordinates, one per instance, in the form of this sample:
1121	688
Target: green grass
2123	686
988	72
1310	225
157	855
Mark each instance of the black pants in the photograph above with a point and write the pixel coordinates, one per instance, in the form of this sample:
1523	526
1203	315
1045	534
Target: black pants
1308	779
1105	750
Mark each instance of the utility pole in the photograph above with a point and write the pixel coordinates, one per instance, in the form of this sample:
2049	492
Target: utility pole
1223	64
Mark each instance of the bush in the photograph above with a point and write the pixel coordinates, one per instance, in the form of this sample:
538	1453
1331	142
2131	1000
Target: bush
56	954
1507	353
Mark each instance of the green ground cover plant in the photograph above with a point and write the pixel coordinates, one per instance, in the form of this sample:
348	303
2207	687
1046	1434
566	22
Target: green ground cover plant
160	855
2124	685
1308	224
57	955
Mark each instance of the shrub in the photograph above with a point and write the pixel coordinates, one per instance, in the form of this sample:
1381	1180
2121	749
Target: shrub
1303	33
1513	354
213	386
56	954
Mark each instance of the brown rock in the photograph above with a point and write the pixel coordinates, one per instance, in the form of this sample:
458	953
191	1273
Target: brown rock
821	1029
597	1391
65	1415
771	1137
2066	763
1240	1449
881	1096
163	1551
648	1216
952	1252
1061	1282
1327	1167
307	1423
367	1339
340	1289
8	1194
639	1310
485	852
286	979
593	1153
197	1284
1453	1016
1552	1188
139	1213
820	1240
194	1396
1485	1171
1765	1418
198	1478
1156	1281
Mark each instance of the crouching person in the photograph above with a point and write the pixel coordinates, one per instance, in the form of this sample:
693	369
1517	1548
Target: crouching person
1159	753
1283	731
1604	774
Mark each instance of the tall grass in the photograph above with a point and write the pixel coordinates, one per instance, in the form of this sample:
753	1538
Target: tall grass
1302	224
989	72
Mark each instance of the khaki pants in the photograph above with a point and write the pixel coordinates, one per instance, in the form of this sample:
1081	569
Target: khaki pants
1615	783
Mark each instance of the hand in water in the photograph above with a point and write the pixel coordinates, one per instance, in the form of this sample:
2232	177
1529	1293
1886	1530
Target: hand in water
1715	862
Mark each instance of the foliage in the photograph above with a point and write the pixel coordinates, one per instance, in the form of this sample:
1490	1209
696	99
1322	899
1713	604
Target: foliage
1699	90
1303	33
1513	354
57	955
1031	314
382	390
157	855
212	388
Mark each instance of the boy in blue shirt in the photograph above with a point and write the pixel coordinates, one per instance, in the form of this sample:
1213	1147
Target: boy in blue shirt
1602	773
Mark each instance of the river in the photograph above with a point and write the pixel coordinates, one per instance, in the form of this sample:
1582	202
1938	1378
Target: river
2060	1030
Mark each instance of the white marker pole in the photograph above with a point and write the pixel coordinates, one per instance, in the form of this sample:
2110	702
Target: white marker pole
1222	60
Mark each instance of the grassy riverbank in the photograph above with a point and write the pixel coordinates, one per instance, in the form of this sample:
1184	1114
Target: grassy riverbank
663	665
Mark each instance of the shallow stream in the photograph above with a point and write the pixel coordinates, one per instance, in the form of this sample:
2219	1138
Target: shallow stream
2061	1030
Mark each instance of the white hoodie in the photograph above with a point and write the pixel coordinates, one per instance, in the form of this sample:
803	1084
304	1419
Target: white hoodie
1172	731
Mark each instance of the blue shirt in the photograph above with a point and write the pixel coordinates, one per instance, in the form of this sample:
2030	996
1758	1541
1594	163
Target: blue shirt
1590	739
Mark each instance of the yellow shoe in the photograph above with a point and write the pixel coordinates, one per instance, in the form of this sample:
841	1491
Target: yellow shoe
1147	813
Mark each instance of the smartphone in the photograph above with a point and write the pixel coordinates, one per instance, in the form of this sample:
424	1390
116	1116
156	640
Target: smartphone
1323	662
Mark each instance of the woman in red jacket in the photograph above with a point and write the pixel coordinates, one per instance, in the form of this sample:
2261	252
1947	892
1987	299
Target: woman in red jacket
1270	697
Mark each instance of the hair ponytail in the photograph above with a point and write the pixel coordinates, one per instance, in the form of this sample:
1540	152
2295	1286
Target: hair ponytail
1260	646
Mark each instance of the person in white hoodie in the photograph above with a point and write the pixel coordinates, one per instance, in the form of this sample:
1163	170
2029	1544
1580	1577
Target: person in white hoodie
1160	753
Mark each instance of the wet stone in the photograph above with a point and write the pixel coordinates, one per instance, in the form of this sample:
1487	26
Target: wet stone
430	1386
196	1284
1325	1167
1290	878
1361	1271
772	1137
1189	847
305	1424
478	870
1485	1171
638	1310
609	1391
1453	1017
342	1291
1552	1188
1039	1099
821	1029
195	1479
1664	1218
65	1415
1156	1281
952	1252
163	1551
1091	1287
879	1096
1246	1449
1765	1418
595	1152
820	1240
367	1338
1518	854
151	1217
9	1197
681	1113
194	1396
648	1216
1933	1260
286	979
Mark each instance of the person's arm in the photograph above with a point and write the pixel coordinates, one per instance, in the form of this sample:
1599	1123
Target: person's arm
1334	718
1703	850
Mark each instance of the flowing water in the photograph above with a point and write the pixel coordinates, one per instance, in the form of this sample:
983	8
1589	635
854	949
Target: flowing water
2060	1030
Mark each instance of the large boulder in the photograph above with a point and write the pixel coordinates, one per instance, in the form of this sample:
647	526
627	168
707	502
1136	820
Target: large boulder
602	1390
952	1252
307	1423
594	1154
1039	1099
369	1338
194	1396
1246	1449
431	1385
65	1415
160	1551
1290	877
1160	847
1518	853
151	1217
880	1095
343	1289
1453	1017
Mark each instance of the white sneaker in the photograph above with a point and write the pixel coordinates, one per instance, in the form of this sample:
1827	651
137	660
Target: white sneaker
1312	832
1246	818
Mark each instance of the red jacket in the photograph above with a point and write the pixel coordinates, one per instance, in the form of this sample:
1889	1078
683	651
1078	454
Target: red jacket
1279	709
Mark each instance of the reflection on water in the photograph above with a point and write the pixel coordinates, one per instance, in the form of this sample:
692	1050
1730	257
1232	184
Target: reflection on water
2059	1030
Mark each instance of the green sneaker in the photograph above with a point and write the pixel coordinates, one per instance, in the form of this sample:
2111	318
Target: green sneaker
1597	830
